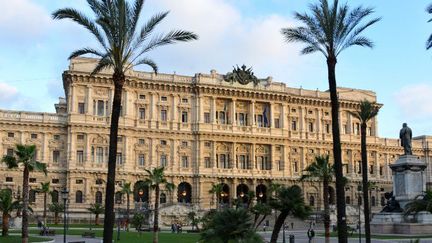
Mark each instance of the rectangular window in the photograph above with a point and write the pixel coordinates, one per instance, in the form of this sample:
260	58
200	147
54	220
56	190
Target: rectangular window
119	159
311	127
32	180
56	156
80	137
381	170
223	161
99	155
345	129
141	141
369	131
184	117
79	181
207	144
241	119
277	123
260	120
141	160
56	137
280	164
80	156
163	160
184	143
242	162
294	125
10	152
11	134
55	181
163	142
327	127
207	163
33	136
371	169
185	161
163	115
357	128
9	179
142	113
100	108
206	117
81	108
164	98
359	167
295	166
119	139
185	100
345	168
142	97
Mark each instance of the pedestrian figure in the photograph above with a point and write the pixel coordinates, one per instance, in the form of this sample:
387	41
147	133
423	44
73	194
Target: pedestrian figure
311	234
173	228
292	225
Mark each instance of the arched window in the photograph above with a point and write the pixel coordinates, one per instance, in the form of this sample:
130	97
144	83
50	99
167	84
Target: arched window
184	193
373	201
78	197
311	201
32	196
54	196
360	200
348	200
383	202
162	198
98	198
118	197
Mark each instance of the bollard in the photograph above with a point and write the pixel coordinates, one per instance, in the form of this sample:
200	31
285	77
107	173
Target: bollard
291	239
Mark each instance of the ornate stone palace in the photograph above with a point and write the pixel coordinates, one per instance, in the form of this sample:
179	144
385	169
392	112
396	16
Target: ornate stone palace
203	129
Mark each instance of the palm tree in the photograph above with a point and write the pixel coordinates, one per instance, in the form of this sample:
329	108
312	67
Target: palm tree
330	29
230	225
429	40
420	203
45	189
56	208
122	46
322	170
260	209
155	179
25	158
7	205
365	112
96	209
217	189
289	201
127	189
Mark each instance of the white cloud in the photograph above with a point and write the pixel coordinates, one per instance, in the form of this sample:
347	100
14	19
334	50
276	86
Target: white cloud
415	101
23	19
7	92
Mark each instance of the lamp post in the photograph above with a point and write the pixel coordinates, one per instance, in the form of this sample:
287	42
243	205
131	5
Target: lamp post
140	194
283	233
184	193
65	195
359	189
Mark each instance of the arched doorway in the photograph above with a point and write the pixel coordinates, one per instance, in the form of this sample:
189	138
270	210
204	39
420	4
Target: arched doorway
242	193
331	195
311	201
225	194
184	193
261	193
140	192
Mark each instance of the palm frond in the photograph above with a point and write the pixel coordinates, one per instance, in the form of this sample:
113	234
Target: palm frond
147	61
38	166
85	51
10	161
148	28
169	38
104	62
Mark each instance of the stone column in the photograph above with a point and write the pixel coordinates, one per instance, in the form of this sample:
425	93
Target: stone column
234	156
233	112
252	113
284	120
214	155
271	115
89	100
213	110
252	158
72	99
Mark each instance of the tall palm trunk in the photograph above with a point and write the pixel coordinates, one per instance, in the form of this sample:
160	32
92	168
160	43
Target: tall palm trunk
340	190
97	219
5	223
277	226
56	218
326	209
118	79
24	233
128	212
156	217
365	182
45	207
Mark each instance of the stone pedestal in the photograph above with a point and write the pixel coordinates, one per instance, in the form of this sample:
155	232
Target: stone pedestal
409	179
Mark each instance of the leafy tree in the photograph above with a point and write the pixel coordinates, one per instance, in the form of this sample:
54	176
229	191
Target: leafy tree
217	190
429	40
56	208
260	210
155	180
96	209
322	170
330	29
289	201
230	225
421	203
45	189
192	216
7	205
24	156
138	220
122	46
365	112
127	189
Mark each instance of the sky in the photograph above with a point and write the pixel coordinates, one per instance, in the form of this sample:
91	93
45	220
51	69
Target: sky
34	50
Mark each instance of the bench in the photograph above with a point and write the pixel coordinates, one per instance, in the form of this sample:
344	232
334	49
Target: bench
88	234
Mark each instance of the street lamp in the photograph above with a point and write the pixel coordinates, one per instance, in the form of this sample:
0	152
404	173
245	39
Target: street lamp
65	195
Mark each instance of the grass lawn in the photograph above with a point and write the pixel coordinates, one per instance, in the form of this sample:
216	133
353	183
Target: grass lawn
382	237
17	238
130	237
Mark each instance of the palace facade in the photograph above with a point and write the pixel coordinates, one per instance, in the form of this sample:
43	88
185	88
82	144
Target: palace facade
202	129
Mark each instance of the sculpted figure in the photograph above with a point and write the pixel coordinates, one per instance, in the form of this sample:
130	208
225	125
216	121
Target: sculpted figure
405	136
